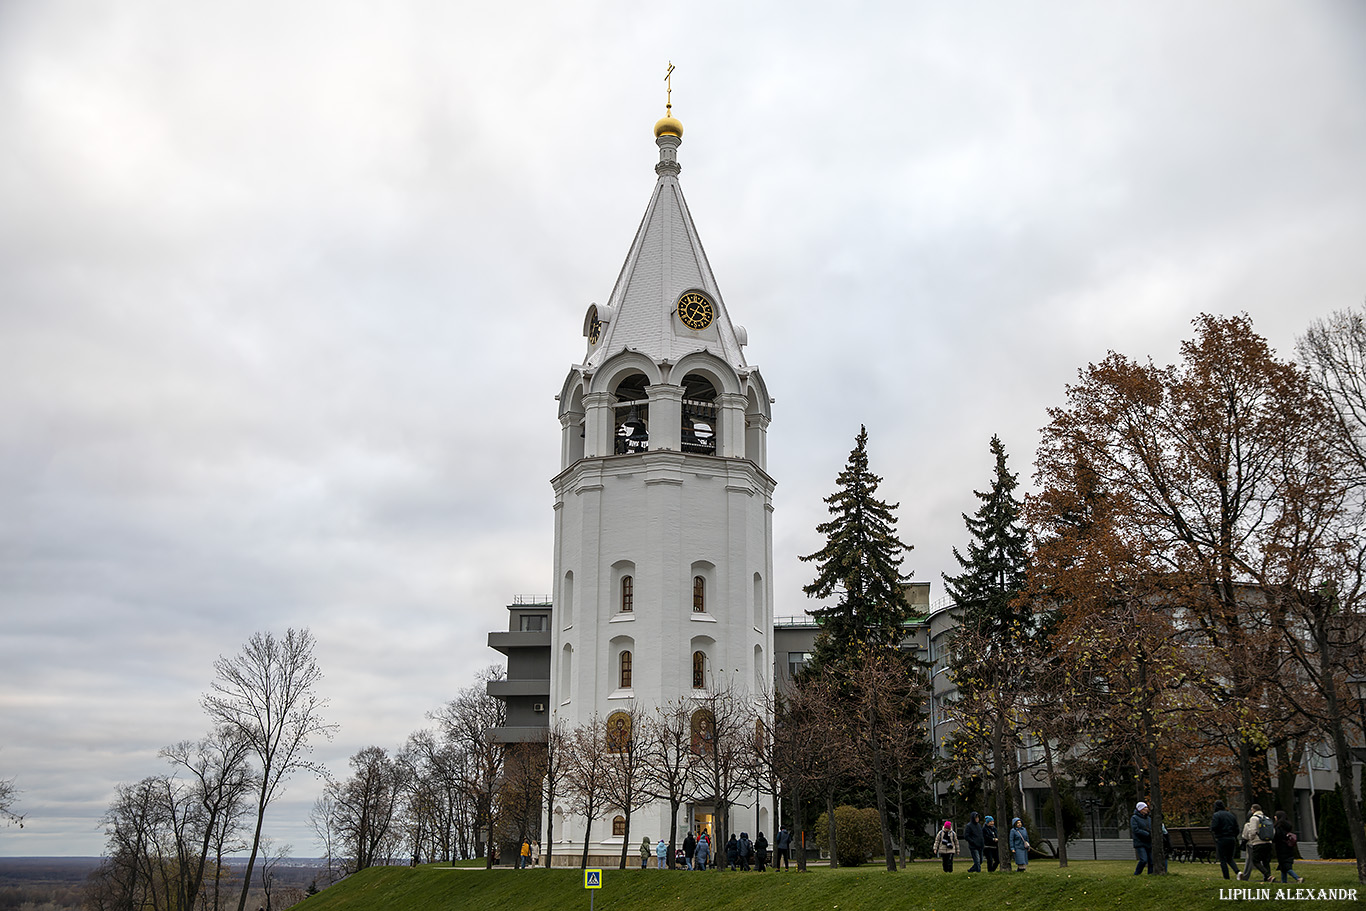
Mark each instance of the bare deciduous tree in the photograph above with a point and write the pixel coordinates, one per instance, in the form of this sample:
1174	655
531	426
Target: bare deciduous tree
626	760
724	730
220	770
585	776
9	794
670	762
267	695
468	721
555	741
361	811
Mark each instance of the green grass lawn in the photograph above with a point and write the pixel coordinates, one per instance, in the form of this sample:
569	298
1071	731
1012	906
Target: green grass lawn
1083	885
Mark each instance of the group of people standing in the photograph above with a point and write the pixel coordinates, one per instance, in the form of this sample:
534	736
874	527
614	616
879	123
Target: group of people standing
739	854
984	843
530	855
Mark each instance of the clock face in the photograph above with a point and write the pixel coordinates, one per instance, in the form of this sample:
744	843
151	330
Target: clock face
594	326
695	310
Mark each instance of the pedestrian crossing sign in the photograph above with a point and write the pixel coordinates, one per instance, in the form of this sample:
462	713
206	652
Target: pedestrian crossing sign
592	879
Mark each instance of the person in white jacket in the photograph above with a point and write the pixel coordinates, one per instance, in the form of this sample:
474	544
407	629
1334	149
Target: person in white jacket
1258	848
946	845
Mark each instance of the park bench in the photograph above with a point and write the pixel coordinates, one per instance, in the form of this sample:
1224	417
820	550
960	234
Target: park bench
1196	843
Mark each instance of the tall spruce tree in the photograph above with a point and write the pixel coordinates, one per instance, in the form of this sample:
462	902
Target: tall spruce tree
987	661
860	564
994	568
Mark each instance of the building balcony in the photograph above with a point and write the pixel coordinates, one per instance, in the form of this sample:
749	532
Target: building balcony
504	641
520	734
504	689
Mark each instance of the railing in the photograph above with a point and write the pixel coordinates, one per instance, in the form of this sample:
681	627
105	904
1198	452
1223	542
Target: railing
537	600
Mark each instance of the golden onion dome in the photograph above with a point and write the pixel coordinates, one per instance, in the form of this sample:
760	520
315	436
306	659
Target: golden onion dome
668	126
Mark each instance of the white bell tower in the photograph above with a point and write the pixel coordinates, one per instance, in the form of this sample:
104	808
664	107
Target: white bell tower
663	507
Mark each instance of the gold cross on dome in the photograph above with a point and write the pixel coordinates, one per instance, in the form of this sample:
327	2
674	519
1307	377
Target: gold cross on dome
669	88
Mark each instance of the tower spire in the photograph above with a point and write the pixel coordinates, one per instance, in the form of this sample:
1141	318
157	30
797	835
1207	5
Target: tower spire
668	131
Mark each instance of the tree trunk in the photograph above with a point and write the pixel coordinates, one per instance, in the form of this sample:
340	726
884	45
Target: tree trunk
799	827
255	844
998	774
830	827
625	839
880	795
1059	823
1351	805
901	820
1287	766
587	827
1151	760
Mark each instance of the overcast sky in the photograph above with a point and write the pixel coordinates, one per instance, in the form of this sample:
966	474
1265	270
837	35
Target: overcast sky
286	292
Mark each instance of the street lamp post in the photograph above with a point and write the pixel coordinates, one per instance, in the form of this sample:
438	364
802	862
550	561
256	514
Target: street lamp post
1091	804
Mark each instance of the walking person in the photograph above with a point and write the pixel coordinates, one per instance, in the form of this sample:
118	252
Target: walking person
946	845
689	846
991	844
782	847
645	850
1019	844
1258	834
662	852
974	836
524	859
760	852
1141	830
1285	842
732	853
535	852
1224	827
746	852
702	853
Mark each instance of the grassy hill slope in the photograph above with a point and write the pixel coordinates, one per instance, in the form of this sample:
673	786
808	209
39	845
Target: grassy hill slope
1084	886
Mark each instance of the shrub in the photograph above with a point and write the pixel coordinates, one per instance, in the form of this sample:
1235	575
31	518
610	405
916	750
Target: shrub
1072	814
1335	839
858	835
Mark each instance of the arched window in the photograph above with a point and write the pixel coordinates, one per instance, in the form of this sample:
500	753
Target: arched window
625	671
628	594
618	732
632	421
566	605
566	671
699	670
698	431
618	826
699	595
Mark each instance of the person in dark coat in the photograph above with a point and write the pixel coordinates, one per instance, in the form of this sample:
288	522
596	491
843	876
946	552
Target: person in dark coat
760	852
746	852
1224	827
1141	828
782	849
990	844
1285	848
973	835
732	853
689	848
